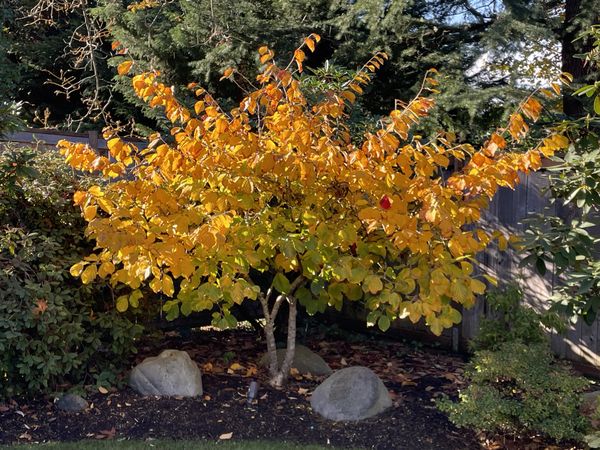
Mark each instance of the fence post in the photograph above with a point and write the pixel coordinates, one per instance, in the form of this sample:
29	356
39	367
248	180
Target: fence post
93	139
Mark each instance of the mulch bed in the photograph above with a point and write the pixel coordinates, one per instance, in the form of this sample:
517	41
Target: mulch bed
415	377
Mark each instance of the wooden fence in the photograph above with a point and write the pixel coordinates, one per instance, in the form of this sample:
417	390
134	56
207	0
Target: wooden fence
49	138
580	344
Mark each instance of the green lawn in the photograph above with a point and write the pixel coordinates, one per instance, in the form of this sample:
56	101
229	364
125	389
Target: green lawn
174	445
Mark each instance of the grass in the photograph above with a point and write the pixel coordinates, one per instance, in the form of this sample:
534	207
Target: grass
171	445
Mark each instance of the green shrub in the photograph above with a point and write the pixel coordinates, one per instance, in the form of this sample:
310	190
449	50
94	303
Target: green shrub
515	383
53	331
520	388
508	321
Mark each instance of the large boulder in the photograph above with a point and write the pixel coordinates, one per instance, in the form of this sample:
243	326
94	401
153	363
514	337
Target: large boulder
354	393
305	361
172	373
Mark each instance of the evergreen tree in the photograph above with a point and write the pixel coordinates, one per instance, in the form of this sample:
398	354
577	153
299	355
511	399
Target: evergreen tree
479	47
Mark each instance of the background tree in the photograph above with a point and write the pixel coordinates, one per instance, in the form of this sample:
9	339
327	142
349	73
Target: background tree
478	46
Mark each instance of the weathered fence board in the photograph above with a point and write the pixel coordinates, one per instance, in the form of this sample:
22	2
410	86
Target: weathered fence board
506	212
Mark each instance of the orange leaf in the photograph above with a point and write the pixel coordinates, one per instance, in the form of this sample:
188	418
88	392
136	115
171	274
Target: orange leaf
310	44
124	67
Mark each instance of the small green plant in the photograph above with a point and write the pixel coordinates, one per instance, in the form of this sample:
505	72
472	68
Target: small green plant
228	357
509	321
520	388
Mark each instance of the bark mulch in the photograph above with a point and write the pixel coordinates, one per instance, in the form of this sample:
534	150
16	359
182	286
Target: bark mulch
415	377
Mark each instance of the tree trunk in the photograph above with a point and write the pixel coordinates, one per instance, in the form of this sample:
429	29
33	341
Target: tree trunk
572	50
281	377
271	348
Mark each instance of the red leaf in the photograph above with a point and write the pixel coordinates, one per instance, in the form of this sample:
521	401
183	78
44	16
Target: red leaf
385	202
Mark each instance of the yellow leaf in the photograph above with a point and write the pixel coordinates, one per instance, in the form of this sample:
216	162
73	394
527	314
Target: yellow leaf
236	366
372	284
89	274
477	286
156	285
134	298
79	197
124	67
122	303
266	57
502	242
228	72
76	269
89	212
167	285
106	268
310	44
491	279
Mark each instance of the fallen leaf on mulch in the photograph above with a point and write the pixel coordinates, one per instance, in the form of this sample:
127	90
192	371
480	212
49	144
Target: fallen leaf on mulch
102	390
106	434
251	372
226	436
234	367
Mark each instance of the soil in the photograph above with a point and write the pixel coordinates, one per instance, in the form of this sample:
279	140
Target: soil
415	377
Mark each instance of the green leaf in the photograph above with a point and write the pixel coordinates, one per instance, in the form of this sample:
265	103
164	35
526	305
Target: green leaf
372	318
304	296
384	323
353	292
281	283
540	265
134	298
597	104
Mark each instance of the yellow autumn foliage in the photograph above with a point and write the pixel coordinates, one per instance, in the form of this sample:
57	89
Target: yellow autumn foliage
276	184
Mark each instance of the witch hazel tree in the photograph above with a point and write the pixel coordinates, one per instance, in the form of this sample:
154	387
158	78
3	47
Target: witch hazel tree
277	186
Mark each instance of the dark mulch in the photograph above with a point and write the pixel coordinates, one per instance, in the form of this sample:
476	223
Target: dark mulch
414	376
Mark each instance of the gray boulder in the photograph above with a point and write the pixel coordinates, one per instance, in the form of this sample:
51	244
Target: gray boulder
354	393
305	361
71	403
172	373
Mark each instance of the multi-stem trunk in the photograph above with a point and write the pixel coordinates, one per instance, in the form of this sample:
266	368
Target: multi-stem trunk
279	374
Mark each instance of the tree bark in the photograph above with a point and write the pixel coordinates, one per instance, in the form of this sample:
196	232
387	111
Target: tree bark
278	375
571	62
281	377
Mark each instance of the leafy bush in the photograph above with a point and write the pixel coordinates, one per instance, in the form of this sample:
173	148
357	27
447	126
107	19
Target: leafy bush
9	117
520	387
515	383
53	330
508	321
567	243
